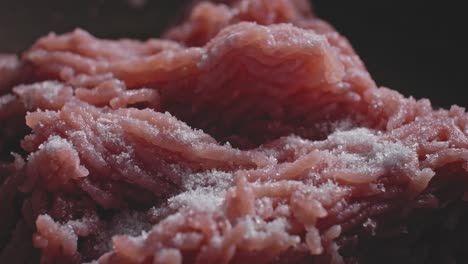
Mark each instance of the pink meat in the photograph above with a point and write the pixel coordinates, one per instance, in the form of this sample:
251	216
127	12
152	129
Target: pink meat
225	68
254	135
12	71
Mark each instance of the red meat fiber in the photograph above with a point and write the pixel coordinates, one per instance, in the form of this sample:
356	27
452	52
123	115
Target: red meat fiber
250	133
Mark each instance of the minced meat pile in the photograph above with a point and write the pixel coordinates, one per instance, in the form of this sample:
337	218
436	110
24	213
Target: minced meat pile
250	133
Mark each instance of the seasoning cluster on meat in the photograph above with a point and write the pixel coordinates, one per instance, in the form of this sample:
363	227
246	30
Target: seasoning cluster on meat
250	133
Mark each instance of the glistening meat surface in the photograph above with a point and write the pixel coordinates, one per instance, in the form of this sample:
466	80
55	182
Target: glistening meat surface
252	133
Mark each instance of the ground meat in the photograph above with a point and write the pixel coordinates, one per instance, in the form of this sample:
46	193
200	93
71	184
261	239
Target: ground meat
251	134
12	72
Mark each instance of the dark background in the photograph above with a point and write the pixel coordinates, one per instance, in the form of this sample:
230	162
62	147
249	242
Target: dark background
416	47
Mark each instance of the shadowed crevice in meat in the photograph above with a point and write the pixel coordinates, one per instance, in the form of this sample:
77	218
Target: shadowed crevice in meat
251	134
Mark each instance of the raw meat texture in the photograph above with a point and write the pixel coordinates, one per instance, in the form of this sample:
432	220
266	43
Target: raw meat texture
10	179
207	19
12	71
253	135
148	149
289	65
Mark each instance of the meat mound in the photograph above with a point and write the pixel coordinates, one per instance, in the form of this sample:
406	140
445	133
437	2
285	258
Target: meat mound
251	133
